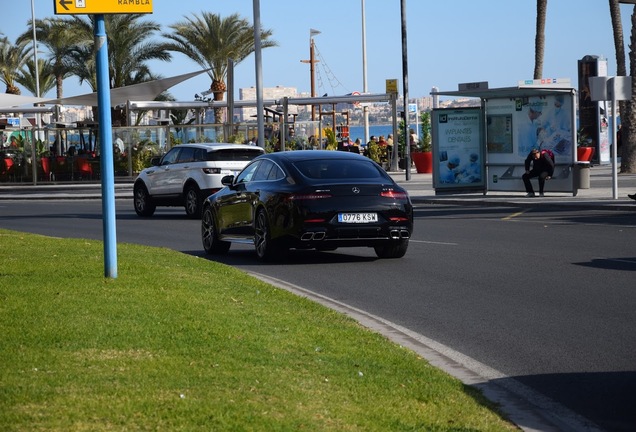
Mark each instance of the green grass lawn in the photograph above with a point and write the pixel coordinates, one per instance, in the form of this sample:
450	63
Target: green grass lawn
179	343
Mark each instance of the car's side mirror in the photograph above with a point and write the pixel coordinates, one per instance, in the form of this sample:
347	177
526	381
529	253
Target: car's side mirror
155	161
227	180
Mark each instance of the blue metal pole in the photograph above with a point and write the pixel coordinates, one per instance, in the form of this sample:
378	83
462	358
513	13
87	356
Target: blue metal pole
106	149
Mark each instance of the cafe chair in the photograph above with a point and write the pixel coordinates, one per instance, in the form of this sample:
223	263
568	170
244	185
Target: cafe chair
46	169
83	168
62	171
7	168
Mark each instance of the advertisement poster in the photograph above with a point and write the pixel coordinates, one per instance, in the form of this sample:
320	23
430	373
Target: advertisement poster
603	141
457	149
516	126
590	115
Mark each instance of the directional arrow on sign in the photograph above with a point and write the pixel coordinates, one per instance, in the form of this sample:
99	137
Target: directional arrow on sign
63	3
101	7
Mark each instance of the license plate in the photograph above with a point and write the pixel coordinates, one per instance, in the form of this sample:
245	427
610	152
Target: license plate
357	217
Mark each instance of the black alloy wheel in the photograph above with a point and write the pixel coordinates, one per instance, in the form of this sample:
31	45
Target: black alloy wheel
265	248
210	236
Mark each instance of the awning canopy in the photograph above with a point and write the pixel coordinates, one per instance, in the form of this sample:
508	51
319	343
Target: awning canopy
505	92
119	96
11	100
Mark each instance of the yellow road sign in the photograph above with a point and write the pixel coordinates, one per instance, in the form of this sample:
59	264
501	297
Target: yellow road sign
92	7
391	86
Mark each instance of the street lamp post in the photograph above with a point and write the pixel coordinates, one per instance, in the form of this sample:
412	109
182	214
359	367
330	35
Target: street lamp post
365	89
258	61
35	52
405	83
38	116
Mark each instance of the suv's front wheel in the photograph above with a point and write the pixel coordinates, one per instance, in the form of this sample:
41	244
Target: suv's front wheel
193	201
144	206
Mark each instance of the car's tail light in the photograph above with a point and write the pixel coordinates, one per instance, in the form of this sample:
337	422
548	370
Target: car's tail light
390	193
398	219
315	220
212	170
309	196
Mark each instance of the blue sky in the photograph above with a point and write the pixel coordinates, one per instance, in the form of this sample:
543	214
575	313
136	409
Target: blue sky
449	42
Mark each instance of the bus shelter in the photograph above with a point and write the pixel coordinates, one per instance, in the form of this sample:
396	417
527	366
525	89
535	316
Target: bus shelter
485	148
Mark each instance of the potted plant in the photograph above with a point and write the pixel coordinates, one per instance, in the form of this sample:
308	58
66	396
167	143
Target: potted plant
373	151
423	156
332	142
585	149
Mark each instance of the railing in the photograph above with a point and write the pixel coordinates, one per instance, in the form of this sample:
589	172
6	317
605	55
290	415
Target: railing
73	154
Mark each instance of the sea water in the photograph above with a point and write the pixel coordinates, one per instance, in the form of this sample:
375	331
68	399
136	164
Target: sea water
375	130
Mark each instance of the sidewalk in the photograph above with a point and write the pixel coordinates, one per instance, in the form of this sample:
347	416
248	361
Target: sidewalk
420	188
599	195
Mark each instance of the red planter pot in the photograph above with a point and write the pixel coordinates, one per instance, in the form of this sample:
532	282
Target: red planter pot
423	162
584	154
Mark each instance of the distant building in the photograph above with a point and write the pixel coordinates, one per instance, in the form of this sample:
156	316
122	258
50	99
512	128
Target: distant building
425	103
461	103
435	97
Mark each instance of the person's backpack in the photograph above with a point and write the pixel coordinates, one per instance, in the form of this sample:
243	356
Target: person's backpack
550	154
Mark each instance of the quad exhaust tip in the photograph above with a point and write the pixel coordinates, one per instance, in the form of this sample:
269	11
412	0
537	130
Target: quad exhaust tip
395	234
309	236
400	234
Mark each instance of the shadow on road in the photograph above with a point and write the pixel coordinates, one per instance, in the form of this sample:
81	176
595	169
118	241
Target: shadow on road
625	264
244	255
616	389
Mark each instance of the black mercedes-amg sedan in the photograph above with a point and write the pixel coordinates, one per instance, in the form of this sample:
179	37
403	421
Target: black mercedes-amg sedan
308	199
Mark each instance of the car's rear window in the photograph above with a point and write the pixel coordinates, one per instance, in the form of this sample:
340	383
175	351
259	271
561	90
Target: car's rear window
233	155
339	169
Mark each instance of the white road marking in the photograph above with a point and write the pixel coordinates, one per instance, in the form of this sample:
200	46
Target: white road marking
433	242
514	215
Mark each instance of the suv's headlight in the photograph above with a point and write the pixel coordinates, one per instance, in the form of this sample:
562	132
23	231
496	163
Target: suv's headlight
212	170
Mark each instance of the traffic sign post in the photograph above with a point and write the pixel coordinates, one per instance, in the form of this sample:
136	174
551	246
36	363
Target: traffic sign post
98	7
391	86
356	103
616	88
106	157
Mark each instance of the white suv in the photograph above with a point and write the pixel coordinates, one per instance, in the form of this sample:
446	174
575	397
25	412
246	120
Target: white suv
187	174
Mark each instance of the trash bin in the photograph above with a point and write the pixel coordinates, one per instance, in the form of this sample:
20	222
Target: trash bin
582	175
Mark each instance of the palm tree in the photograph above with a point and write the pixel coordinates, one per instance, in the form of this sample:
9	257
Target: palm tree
211	41
129	50
539	41
628	153
26	78
58	37
12	57
621	70
619	44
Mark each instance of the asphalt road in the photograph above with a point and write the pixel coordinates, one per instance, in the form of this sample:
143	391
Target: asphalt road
540	297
